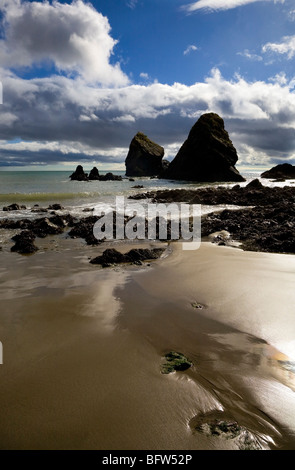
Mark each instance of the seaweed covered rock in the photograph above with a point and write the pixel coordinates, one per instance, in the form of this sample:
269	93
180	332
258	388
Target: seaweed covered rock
175	361
144	157
208	154
219	424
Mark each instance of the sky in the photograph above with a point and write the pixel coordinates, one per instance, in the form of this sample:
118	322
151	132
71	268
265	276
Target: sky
80	78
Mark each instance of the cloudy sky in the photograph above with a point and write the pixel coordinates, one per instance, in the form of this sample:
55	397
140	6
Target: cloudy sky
80	79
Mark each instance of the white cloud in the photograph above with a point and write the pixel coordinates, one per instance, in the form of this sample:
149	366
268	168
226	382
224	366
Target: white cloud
144	75
213	5
74	37
286	46
68	117
280	78
249	55
190	48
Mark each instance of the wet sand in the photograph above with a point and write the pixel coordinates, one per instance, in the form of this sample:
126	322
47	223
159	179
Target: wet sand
83	348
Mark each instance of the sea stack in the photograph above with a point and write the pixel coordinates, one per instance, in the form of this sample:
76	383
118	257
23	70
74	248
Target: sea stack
79	174
144	157
208	154
282	171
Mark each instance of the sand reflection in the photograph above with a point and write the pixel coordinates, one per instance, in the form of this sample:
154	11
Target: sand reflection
103	304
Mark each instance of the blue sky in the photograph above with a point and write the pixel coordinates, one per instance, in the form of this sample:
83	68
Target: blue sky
81	78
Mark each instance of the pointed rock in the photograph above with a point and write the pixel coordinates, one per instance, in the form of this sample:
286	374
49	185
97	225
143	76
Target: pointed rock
144	157
208	154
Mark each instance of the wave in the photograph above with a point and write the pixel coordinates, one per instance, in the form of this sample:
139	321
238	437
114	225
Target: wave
15	197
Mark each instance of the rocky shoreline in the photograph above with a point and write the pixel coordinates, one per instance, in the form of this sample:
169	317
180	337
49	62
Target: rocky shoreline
263	221
267	223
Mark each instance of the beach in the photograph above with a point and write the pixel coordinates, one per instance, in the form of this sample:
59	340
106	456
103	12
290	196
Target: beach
83	348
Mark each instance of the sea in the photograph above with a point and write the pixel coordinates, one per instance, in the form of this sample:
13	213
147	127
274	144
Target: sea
44	188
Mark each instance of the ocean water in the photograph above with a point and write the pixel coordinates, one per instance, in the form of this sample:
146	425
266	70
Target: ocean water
48	187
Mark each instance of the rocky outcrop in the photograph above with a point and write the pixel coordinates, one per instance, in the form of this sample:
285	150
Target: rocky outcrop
24	243
134	256
110	177
208	154
268	226
79	174
94	174
13	207
283	171
144	157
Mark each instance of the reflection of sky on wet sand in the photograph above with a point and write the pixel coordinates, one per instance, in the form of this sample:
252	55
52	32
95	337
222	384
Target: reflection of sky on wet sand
103	304
67	286
258	354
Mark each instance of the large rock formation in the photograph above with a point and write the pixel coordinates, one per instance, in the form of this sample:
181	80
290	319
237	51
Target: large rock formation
207	155
144	157
283	171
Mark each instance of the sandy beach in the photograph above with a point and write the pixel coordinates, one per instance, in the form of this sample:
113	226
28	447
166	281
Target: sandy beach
83	348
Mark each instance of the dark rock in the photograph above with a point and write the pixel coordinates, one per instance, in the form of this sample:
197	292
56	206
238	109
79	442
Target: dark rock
43	227
24	243
39	209
84	228
280	172
94	174
208	154
143	254
79	174
110	177
109	257
144	157
135	256
137	186
62	220
12	207
255	184
56	207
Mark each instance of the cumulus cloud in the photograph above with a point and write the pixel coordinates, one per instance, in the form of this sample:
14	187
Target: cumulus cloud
286	46
214	5
74	37
90	111
258	115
